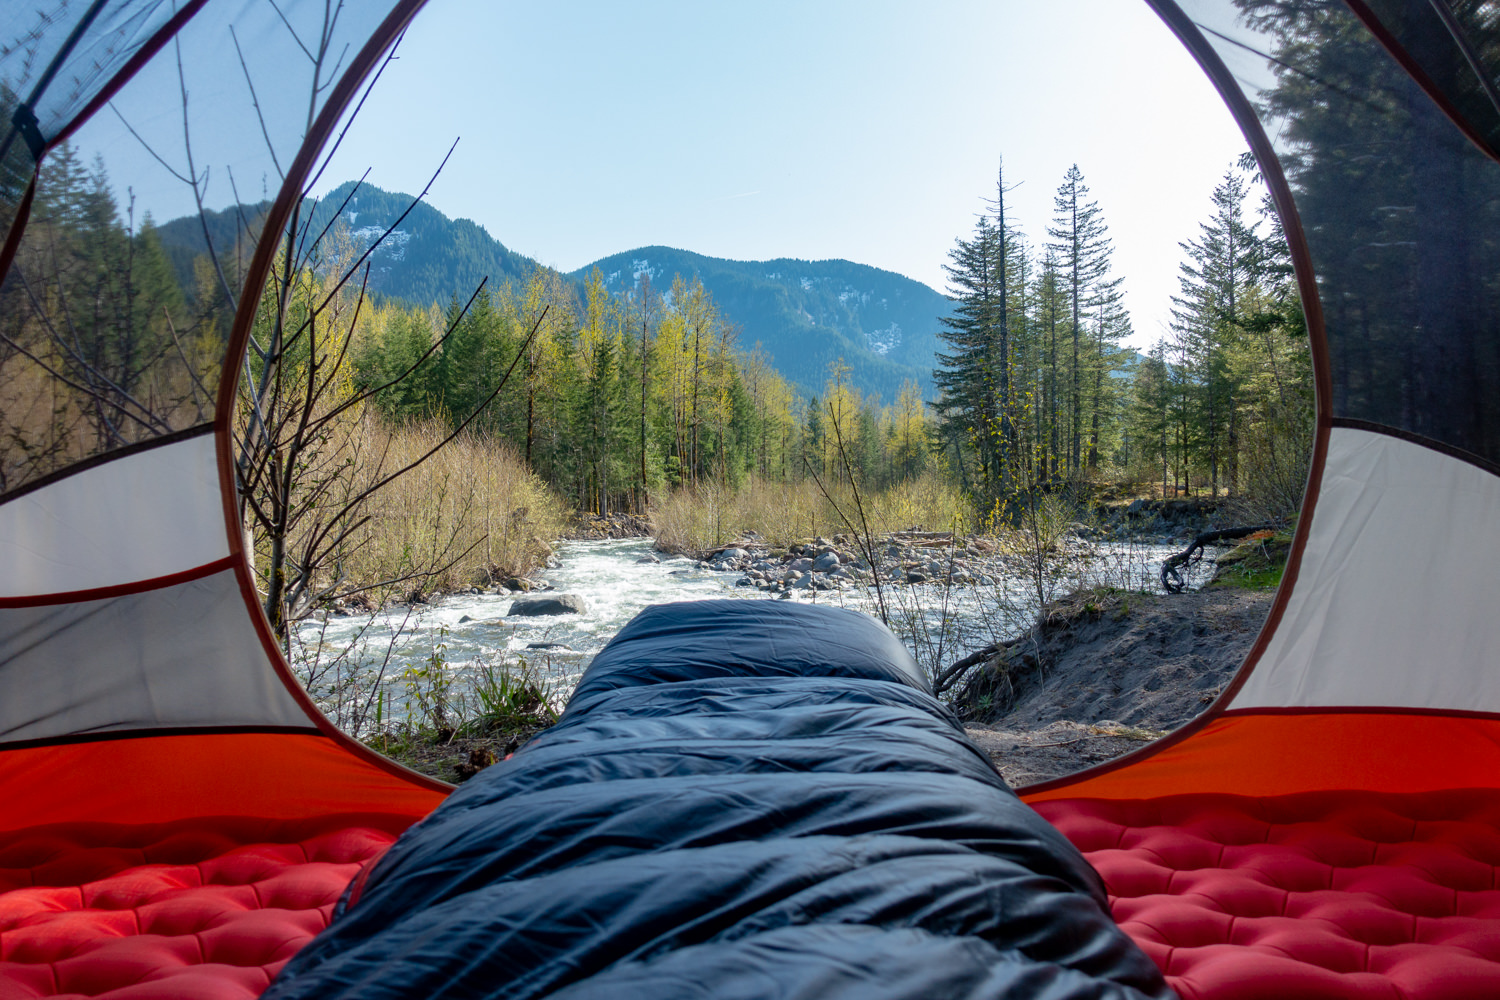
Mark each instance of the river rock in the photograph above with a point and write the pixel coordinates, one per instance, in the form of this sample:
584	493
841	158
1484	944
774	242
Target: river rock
801	565
826	562
732	555
556	647
551	604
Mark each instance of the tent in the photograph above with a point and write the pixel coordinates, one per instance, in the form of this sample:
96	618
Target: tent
179	817
1329	827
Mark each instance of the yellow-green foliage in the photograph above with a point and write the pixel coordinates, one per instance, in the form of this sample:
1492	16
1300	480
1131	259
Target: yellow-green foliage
701	518
930	502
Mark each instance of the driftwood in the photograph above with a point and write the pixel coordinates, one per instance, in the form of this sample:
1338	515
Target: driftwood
1172	581
954	670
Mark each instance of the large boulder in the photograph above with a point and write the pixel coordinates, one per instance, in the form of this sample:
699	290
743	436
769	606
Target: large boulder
548	604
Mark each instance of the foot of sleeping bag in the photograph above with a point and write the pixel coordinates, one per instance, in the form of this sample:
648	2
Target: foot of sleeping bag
742	799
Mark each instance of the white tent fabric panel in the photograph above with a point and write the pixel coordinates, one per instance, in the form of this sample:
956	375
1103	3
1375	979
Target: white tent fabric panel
1394	605
186	655
144	515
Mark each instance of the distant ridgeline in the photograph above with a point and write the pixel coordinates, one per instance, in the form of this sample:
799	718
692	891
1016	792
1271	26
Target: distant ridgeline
805	314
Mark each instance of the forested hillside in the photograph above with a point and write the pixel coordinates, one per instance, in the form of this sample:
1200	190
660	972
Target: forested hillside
426	258
658	368
614	399
807	314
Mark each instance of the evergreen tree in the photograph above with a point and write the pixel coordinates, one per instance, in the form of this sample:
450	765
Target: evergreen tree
1150	415
1081	245
1217	272
647	305
969	404
1110	325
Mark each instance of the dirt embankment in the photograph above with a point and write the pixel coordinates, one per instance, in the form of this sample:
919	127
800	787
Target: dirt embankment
1106	673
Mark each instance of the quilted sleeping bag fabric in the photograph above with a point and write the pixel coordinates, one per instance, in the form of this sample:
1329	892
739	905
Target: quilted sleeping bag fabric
743	799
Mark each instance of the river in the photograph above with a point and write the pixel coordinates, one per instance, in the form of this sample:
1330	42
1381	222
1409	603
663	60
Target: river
402	651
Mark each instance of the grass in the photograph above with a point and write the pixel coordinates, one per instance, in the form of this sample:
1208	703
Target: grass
455	732
1257	563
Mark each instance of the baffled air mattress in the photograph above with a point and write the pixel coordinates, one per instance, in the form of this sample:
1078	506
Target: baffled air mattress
743	799
1331	895
205	909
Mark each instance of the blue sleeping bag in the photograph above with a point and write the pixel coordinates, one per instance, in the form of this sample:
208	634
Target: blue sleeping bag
743	799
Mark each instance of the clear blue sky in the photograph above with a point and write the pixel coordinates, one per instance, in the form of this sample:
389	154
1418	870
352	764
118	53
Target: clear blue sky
864	130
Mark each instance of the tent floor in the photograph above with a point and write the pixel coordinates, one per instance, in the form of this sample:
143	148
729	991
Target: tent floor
1323	896
205	909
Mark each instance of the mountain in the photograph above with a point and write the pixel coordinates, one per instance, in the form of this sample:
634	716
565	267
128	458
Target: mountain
428	258
182	239
807	314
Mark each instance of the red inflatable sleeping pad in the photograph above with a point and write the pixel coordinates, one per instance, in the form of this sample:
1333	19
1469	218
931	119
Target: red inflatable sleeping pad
1319	896
1322	896
198	910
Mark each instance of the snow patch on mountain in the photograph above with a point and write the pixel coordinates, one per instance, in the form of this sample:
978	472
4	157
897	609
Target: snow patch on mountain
883	341
394	244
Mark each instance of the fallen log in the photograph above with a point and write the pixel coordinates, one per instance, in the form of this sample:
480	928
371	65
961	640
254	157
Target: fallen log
945	679
1172	581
